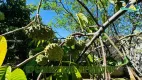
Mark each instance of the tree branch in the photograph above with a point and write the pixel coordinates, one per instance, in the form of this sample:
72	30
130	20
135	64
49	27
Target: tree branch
104	58
17	29
37	16
101	29
38	9
25	61
39	76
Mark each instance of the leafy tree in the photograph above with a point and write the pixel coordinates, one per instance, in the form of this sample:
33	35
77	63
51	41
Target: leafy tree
106	35
16	15
101	10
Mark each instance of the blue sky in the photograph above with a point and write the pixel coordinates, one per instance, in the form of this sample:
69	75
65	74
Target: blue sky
47	16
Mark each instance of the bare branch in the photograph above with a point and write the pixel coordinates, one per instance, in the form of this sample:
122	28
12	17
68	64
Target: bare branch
101	29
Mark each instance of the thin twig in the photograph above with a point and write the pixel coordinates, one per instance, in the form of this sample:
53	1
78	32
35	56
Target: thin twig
39	76
68	12
17	29
114	27
82	34
38	9
137	34
25	61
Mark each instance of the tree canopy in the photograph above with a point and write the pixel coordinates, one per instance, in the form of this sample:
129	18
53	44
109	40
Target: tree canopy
106	35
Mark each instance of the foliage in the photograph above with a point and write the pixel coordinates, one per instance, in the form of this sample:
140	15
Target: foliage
60	60
7	74
3	49
2	72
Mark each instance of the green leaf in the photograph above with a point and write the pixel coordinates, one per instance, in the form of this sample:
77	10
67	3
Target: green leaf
104	37
38	43
104	18
61	75
29	67
118	6
8	73
83	21
66	49
73	47
2	17
2	72
18	74
77	73
90	58
125	60
82	17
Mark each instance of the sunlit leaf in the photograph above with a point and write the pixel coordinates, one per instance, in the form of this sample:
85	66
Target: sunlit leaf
8	73
38	43
61	75
18	74
77	73
3	49
90	58
83	21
